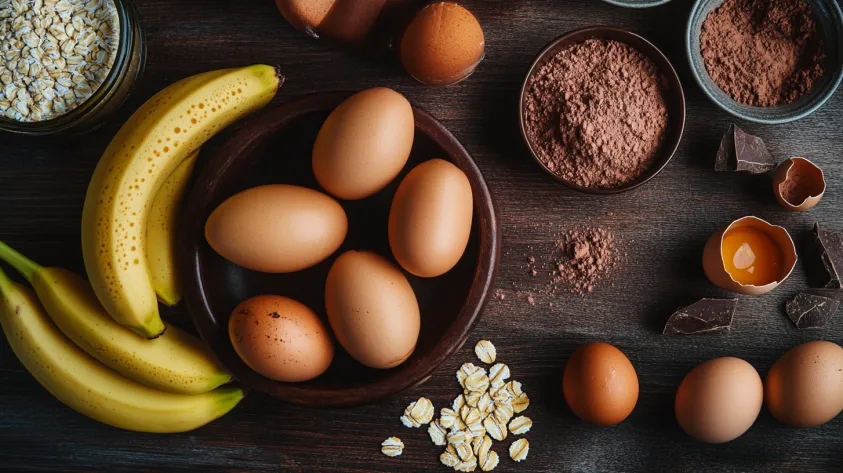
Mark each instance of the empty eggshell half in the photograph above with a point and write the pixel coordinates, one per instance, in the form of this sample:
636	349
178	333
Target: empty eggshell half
715	267
798	184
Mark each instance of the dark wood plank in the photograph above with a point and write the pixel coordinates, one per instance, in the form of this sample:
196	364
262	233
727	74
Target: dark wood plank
663	226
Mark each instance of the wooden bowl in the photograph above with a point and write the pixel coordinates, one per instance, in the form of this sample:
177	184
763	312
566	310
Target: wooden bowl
674	95
276	148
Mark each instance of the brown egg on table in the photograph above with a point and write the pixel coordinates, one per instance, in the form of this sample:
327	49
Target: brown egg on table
277	228
442	45
280	338
600	384
364	143
804	388
750	256
372	309
798	184
719	400
430	218
345	20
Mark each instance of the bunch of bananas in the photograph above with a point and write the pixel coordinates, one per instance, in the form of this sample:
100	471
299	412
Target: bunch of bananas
101	347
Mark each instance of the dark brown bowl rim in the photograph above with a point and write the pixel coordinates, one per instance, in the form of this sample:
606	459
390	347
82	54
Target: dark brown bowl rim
236	150
650	50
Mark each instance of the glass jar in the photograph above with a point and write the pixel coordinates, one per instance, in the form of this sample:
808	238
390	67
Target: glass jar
89	115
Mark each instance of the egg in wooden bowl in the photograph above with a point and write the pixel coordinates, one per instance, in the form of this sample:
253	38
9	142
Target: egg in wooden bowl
277	148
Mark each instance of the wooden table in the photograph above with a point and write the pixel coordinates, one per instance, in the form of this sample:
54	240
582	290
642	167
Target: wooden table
663	227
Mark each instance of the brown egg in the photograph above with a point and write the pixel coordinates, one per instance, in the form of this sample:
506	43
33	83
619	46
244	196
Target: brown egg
804	388
305	15
719	400
372	309
600	384
442	45
246	228
344	20
798	184
280	338
750	256
364	143
430	218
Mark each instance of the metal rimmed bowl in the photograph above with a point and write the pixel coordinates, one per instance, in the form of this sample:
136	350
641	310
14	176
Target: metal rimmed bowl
830	20
276	148
674	94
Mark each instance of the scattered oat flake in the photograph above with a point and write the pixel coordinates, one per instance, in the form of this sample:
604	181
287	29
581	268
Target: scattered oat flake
472	398
490	461
495	428
498	374
464	451
485	351
520	425
449	457
392	447
459	401
519	449
477	381
437	433
469	465
481	445
456	437
448	418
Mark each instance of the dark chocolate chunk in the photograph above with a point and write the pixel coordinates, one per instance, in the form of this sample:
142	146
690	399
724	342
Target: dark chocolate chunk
740	151
826	261
811	311
706	315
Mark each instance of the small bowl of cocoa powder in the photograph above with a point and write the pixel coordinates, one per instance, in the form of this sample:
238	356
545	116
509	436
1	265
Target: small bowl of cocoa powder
767	61
602	110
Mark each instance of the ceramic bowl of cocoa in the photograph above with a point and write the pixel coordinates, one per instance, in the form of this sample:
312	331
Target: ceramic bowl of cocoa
602	110
770	62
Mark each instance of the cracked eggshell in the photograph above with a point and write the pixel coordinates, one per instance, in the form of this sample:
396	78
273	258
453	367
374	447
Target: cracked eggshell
798	184
716	271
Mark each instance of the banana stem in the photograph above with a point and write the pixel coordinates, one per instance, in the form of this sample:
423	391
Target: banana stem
28	268
4	280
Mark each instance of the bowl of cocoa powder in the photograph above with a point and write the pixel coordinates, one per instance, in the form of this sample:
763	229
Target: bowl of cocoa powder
767	61
602	110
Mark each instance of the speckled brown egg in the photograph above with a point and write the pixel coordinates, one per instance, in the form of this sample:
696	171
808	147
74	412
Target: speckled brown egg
600	384
430	218
804	388
280	338
719	400
442	45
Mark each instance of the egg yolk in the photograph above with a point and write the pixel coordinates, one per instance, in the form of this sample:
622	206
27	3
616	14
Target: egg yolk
751	257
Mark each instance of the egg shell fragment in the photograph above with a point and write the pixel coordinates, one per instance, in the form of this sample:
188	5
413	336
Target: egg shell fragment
364	143
715	268
600	384
442	45
719	400
430	218
277	228
802	179
804	388
372	309
280	338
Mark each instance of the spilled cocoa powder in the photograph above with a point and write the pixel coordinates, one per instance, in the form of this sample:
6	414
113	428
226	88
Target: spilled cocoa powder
580	260
596	113
763	52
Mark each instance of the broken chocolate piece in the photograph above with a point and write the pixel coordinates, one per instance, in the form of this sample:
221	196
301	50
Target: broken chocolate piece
706	315
740	151
811	311
826	260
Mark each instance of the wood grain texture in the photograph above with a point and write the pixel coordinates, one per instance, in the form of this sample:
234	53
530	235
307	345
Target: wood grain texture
663	225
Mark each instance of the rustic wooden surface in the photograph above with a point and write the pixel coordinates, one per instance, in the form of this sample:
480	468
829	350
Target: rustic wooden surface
663	227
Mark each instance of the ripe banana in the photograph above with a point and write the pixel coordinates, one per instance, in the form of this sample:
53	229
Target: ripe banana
88	386
176	361
157	138
161	233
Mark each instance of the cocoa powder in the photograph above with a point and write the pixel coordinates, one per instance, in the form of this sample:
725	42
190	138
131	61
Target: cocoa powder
588	257
763	52
596	113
